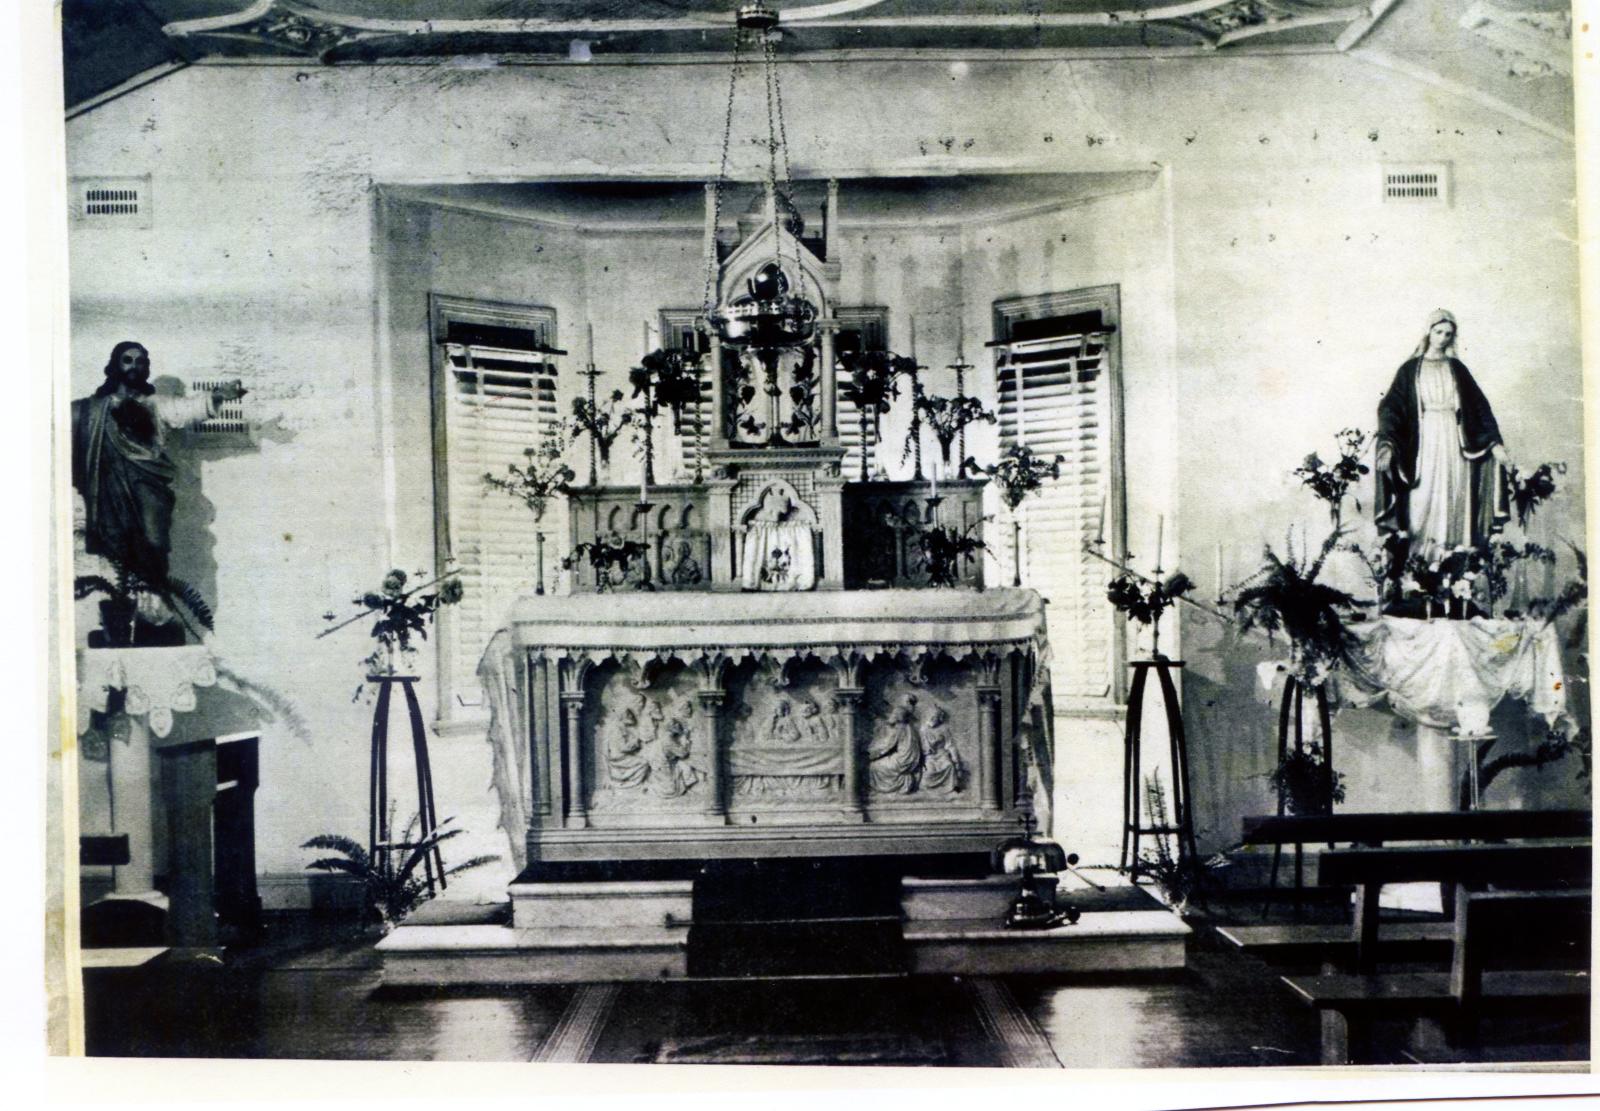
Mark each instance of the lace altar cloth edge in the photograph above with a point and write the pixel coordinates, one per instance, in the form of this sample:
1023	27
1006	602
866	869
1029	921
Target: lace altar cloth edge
159	682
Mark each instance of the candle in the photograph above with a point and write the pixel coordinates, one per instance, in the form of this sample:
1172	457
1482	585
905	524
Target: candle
1161	529
647	346
644	481
935	479
912	334
1220	587
588	344
1100	527
961	339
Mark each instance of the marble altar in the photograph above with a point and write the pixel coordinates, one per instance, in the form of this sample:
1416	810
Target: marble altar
693	725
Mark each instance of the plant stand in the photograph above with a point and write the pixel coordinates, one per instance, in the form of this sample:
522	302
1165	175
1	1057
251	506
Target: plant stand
378	832
1182	821
1292	709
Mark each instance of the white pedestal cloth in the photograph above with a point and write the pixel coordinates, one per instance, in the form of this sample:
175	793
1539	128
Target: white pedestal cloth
158	683
1452	674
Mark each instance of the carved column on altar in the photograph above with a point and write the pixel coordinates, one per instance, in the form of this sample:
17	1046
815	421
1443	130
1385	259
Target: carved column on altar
828	383
710	669
991	789
847	698
830	510
574	673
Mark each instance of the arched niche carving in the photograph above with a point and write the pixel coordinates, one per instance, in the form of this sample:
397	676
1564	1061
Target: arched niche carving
785	507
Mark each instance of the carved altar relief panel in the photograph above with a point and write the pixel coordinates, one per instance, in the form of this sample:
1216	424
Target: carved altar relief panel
787	739
919	736
645	745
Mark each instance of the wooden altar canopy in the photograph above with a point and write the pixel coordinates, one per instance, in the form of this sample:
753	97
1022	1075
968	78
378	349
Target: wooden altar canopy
640	726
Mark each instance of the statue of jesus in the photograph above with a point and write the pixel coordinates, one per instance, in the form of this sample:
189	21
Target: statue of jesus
120	464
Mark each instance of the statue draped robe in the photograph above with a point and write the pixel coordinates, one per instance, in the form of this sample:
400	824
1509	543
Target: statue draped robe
120	467
1422	463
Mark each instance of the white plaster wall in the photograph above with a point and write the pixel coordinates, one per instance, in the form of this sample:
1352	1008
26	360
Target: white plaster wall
261	263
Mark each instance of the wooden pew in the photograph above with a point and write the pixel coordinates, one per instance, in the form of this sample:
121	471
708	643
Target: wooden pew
1559	875
1384	827
1337	943
1561	864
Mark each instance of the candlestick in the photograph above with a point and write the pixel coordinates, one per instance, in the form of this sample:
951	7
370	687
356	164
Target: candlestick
1161	528
588	343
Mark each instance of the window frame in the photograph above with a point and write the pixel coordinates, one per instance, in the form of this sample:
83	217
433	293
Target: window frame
443	311
1106	299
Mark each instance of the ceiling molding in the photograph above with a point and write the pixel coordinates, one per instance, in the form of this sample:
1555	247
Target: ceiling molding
1359	30
137	81
1533	43
294	27
1389	62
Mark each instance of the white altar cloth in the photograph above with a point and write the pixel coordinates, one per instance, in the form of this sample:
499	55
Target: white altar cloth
1451	674
685	625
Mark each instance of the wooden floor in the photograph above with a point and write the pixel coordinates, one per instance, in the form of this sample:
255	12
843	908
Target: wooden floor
306	995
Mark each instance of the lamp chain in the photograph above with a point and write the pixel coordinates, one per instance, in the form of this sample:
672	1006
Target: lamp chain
722	170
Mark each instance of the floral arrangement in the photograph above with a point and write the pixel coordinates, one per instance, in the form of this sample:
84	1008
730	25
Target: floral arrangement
545	476
946	550
602	424
1306	782
1285	596
947	416
1145	600
1020	472
390	890
670	377
872	388
401	615
611	558
1458	579
1331	482
1528	493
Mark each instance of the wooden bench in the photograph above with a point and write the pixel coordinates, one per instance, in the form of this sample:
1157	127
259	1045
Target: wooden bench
1562	864
1483	920
1401	939
1384	827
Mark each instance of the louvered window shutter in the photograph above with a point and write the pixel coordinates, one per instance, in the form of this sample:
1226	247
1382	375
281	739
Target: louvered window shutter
1055	390
499	399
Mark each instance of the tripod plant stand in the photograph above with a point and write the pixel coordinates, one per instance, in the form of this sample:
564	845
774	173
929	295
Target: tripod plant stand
1182	821
379	834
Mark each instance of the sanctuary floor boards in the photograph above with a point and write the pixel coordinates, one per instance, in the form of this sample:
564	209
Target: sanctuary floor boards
309	996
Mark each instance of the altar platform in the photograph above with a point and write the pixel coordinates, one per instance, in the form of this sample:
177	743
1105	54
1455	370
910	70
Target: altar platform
640	931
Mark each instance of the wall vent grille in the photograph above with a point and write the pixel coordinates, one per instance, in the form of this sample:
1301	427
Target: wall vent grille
111	201
230	414
1417	184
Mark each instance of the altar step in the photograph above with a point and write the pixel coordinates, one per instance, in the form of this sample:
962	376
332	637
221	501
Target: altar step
610	932
766	918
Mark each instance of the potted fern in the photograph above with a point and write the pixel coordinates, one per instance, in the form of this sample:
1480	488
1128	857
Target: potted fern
395	877
122	626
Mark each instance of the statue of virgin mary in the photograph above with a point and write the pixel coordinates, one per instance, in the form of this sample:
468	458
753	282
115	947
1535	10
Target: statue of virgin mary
1439	451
